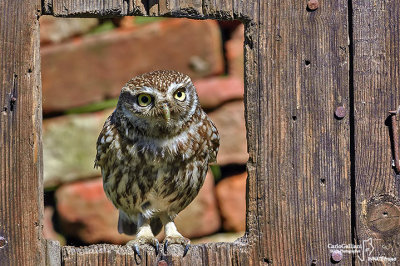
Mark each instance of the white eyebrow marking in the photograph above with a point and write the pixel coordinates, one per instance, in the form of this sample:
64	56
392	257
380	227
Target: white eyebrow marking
174	86
146	89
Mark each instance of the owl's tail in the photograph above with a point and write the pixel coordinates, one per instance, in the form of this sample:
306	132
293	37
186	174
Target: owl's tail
156	225
126	225
129	227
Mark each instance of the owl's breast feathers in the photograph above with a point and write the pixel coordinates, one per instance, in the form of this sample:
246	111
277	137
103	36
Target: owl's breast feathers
134	166
117	139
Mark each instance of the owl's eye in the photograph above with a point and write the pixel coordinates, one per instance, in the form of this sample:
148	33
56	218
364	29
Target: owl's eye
180	95
144	99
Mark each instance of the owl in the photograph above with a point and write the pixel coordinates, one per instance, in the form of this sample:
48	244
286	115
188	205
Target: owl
154	151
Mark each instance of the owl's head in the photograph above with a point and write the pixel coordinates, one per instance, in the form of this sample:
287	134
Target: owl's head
162	98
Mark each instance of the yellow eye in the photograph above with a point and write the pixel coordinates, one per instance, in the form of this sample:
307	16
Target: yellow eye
144	99
180	95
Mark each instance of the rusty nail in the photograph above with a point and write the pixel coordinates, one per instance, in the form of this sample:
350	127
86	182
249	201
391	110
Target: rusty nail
340	112
162	263
312	5
3	242
337	256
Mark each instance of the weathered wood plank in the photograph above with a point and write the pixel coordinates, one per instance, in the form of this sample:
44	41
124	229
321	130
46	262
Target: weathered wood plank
93	8
90	8
53	253
181	8
200	9
221	9
21	198
137	7
297	74
208	254
376	35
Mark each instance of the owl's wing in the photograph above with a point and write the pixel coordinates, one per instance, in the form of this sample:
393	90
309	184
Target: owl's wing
102	143
213	150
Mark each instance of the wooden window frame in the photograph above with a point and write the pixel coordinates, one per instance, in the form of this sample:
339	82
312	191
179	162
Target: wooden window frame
309	173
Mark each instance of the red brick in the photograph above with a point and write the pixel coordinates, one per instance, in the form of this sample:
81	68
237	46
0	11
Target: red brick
93	68
55	30
234	52
231	195
215	91
229	120
69	147
87	214
127	22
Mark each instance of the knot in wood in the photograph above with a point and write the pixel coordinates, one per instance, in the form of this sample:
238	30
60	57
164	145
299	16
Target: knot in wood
384	218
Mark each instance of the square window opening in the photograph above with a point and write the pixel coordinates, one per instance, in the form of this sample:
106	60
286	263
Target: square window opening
85	63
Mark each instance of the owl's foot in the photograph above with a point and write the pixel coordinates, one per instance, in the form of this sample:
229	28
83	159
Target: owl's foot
178	239
134	244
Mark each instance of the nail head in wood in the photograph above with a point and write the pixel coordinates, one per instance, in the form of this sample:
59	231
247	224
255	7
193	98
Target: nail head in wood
340	112
312	5
3	242
337	255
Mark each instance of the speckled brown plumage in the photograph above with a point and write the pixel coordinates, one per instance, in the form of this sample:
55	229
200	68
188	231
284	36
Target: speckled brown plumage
154	158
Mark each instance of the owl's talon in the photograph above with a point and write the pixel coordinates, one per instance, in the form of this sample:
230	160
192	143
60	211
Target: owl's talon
166	246
136	249
186	250
142	241
179	240
157	248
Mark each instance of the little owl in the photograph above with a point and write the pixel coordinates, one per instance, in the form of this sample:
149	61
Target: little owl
154	151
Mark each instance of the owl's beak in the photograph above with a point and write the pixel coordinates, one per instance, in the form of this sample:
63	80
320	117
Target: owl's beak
167	114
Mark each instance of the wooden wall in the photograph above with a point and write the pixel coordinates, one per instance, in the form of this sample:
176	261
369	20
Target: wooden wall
319	85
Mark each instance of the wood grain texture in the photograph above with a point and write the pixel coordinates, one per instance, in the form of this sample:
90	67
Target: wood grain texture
89	8
53	253
221	9
181	8
21	194
376	36
199	9
297	74
207	254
